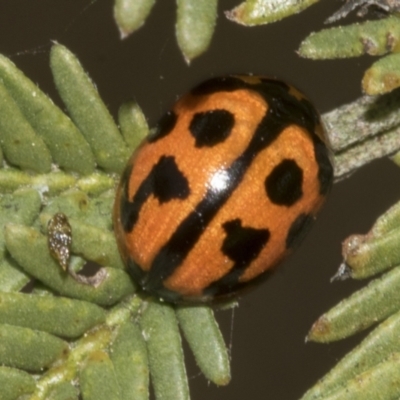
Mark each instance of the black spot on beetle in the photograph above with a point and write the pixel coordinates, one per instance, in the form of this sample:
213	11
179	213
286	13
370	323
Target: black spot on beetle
284	184
298	230
168	181
165	181
242	245
211	127
164	126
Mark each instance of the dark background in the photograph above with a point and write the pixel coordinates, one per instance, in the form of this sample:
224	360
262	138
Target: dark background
266	333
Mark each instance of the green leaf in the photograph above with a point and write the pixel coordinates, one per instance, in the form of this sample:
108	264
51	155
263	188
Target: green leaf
375	302
375	348
12	278
204	337
21	145
68	147
387	222
98	379
367	255
195	26
131	14
377	251
22	207
90	349
383	76
88	110
167	368
30	350
57	315
372	367
370	37
133	124
129	356
15	383
77	204
258	12
379	382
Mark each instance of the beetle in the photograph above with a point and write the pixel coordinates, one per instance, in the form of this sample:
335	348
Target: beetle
223	189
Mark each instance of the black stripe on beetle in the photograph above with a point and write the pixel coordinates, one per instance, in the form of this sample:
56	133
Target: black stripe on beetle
165	182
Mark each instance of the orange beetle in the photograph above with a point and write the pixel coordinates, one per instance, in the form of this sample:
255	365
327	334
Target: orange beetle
223	189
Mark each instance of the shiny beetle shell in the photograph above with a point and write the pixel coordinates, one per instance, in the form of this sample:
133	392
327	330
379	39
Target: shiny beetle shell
222	190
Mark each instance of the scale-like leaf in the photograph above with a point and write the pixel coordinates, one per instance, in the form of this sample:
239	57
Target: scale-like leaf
160	330
195	26
15	383
129	356
130	15
56	315
68	148
88	110
205	339
259	12
29	350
